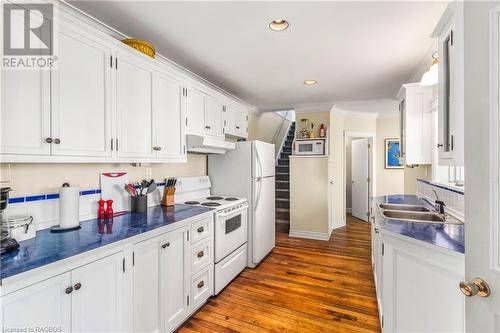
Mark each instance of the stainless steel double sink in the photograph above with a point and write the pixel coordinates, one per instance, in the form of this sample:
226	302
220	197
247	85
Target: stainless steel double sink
414	213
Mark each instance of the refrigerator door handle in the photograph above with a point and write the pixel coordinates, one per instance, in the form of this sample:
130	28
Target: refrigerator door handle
259	182
259	162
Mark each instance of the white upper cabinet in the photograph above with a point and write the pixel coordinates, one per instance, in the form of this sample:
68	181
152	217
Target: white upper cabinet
134	107
415	124
25	122
213	117
81	91
169	118
195	111
449	33
235	121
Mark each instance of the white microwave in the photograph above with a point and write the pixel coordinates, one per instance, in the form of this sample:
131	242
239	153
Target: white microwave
309	147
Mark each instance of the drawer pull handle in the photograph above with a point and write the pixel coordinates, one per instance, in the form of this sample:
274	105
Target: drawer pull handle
78	286
69	290
201	254
201	284
201	229
165	245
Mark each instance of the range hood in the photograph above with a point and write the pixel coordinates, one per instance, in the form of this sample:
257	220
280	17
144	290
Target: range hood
208	145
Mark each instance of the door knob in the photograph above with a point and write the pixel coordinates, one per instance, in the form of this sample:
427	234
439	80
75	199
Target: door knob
57	141
476	287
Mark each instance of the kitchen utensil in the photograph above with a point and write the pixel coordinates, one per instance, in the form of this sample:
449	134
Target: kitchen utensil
151	188
100	211
112	189
169	192
109	209
130	190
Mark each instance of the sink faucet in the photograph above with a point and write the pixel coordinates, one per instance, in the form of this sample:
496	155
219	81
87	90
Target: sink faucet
439	203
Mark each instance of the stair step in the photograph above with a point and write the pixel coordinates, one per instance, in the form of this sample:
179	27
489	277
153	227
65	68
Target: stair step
282	226
285	155
282	176
282	184
282	169
283	162
282	214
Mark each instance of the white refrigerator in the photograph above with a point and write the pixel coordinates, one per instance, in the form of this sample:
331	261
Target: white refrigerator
248	171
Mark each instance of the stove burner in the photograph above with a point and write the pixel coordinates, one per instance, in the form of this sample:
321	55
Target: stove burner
192	203
211	204
215	198
231	199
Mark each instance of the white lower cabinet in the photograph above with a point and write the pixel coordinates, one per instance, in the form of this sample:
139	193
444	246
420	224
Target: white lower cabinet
44	304
417	285
87	299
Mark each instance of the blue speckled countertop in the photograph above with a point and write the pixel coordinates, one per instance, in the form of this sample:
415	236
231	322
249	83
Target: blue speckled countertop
449	236
49	247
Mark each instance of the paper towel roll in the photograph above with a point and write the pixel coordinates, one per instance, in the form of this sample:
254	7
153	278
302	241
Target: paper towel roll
69	206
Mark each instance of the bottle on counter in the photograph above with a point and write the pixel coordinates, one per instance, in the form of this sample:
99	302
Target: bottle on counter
322	131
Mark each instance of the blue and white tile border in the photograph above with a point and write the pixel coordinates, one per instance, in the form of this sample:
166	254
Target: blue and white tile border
454	198
45	207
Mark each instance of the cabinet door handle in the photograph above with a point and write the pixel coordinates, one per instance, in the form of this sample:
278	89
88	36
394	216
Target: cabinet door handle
165	245
200	254
237	127
69	290
201	229
78	286
439	145
48	140
207	127
159	148
57	141
201	284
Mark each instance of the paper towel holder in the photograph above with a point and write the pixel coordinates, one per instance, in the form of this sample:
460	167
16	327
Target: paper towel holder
58	228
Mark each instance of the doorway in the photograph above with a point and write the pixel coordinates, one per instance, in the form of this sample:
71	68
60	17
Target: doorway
358	173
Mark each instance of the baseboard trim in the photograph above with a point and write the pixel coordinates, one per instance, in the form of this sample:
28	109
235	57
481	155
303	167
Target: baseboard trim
309	234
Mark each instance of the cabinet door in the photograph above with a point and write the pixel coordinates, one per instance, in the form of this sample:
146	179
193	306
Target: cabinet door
175	278
98	302
446	95
41	305
81	95
134	83
228	119
213	116
195	111
242	122
146	293
169	118
25	112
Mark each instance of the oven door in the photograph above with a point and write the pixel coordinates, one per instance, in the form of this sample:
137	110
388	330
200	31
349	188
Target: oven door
230	232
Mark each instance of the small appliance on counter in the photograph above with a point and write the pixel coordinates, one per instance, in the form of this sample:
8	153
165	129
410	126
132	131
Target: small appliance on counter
15	228
69	209
309	147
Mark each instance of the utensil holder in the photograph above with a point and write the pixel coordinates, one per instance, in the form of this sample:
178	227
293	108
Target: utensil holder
168	197
139	204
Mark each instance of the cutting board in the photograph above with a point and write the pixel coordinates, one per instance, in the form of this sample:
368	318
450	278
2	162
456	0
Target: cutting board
112	187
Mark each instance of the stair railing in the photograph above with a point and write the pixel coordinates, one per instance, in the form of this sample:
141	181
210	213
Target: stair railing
276	136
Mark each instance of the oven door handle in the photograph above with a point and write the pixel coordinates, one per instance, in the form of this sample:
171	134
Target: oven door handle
234	212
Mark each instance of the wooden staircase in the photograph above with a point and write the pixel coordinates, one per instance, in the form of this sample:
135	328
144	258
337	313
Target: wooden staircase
283	183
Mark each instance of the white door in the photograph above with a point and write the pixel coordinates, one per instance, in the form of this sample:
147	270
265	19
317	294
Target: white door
41	305
169	118
25	112
134	113
482	196
360	174
263	159
263	226
146	282
81	97
174	282
195	111
213	116
97	298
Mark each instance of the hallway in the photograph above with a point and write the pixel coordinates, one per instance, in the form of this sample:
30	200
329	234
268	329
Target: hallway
302	286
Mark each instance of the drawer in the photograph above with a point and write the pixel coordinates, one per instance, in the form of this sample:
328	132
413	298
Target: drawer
200	230
202	285
230	267
201	255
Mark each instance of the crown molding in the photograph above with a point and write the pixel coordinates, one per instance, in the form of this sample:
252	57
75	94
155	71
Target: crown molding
388	115
316	107
354	114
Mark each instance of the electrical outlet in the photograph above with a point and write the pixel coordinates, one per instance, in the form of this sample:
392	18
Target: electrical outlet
149	173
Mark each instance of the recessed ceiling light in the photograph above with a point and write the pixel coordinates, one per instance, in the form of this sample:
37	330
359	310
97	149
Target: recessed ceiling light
310	82
278	25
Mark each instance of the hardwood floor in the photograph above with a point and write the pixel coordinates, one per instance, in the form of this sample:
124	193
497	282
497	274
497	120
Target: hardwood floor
302	286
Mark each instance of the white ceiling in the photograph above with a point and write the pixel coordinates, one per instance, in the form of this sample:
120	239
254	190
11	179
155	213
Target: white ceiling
356	50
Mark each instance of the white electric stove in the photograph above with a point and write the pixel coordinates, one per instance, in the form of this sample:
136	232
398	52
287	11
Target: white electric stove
230	227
